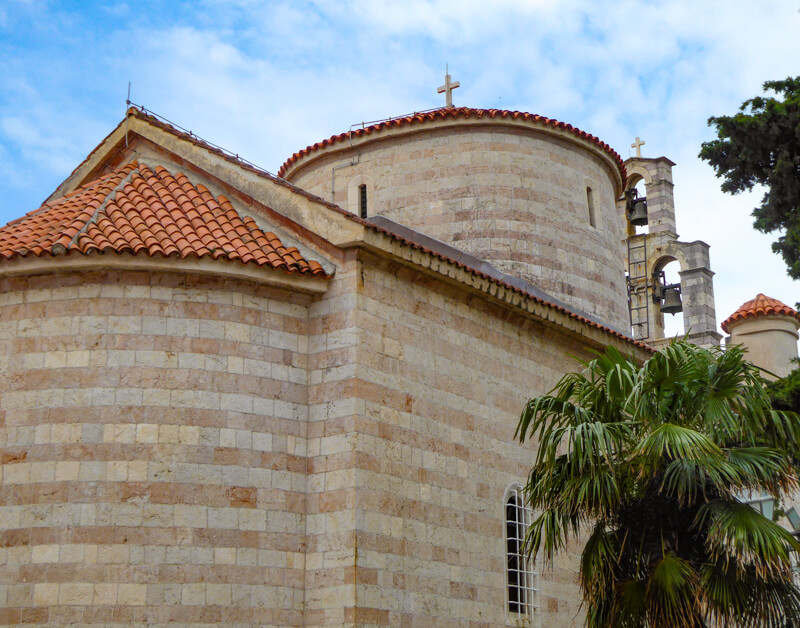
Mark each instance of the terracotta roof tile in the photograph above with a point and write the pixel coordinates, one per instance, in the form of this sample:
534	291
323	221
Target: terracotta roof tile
216	232
456	112
137	209
762	305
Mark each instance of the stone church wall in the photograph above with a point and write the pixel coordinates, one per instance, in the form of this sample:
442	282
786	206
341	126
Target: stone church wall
426	417
191	450
533	205
153	469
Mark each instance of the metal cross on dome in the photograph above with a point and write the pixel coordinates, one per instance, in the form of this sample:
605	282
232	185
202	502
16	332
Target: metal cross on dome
448	87
638	146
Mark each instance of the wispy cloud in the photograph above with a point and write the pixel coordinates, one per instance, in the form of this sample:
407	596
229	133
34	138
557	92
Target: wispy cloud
267	78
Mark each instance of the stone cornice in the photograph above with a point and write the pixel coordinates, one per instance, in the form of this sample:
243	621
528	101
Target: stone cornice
48	265
592	334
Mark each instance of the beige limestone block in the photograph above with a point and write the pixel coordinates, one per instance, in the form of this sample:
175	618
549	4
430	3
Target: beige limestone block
193	594
45	553
131	594
105	594
147	433
46	594
75	594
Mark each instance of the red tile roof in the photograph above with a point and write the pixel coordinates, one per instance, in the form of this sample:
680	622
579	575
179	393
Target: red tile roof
762	305
140	210
456	112
153	120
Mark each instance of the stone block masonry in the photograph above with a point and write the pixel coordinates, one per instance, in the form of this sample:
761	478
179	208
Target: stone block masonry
153	443
410	442
185	450
216	443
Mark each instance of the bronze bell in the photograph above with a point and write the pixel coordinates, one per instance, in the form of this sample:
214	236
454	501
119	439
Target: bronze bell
636	208
672	299
638	214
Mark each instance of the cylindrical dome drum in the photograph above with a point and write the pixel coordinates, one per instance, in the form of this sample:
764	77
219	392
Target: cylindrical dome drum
532	196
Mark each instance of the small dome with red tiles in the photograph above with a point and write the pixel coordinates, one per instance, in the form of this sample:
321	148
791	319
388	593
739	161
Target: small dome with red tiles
762	305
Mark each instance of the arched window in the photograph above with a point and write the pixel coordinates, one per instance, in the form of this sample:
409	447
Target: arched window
361	196
590	206
522	581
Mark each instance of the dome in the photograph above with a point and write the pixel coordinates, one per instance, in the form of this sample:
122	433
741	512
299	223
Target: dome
762	305
534	197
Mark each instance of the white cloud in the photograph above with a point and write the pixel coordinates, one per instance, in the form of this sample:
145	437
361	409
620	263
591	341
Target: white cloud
267	78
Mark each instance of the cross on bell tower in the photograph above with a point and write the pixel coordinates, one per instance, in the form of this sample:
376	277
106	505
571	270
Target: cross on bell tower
448	87
638	146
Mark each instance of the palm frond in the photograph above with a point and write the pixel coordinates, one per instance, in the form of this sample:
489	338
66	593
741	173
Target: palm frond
549	532
600	558
735	529
652	458
734	595
670	593
594	492
669	442
762	467
689	480
726	594
630	604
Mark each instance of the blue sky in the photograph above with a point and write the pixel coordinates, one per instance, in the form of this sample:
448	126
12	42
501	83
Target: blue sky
265	79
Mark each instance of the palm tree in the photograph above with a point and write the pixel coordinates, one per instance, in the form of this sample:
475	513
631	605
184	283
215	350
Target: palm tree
649	460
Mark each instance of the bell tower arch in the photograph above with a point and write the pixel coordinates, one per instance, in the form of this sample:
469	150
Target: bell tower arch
652	243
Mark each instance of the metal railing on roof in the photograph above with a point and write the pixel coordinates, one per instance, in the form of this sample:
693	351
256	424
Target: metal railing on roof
364	125
194	136
242	160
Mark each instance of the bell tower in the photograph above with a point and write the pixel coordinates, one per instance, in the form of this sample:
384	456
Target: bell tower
652	243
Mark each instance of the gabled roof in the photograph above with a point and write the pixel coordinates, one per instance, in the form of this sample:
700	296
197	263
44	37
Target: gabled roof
144	211
105	149
454	113
329	221
762	305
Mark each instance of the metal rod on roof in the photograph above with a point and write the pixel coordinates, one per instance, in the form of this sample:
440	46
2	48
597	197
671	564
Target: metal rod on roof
127	104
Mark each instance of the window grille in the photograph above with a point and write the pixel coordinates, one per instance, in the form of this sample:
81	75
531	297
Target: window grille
362	200
522	580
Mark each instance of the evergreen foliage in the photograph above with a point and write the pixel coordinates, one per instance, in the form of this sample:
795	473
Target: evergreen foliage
761	145
650	460
785	392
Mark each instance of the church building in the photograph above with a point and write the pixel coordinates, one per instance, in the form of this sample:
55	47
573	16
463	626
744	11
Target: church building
234	398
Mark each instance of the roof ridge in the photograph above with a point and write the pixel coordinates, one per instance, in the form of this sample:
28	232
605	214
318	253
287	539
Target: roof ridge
145	115
59	248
